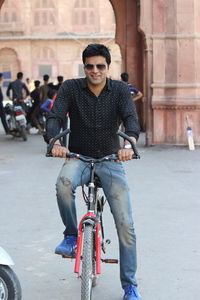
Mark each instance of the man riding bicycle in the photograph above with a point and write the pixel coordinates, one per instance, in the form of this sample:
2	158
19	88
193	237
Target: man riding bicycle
97	105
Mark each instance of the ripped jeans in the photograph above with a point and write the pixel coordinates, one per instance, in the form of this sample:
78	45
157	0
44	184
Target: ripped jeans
114	182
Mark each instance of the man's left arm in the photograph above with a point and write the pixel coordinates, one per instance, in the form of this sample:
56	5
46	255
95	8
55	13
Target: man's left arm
130	120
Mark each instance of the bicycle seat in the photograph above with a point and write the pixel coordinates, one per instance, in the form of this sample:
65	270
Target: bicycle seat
97	182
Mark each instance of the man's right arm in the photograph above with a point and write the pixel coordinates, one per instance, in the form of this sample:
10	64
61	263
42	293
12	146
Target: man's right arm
57	115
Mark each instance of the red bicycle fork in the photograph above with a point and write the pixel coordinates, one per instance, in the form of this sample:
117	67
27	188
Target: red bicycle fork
89	216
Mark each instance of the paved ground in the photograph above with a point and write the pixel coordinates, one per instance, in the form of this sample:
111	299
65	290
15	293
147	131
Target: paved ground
166	187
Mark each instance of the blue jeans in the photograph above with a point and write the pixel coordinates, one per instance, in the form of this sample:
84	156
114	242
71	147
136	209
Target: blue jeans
116	189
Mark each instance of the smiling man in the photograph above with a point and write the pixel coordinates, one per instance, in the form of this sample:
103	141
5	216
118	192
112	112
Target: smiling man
97	105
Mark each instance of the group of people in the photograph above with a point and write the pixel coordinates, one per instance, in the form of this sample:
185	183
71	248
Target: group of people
42	98
97	105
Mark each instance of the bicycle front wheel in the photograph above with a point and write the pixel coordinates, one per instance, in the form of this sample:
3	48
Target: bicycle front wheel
87	264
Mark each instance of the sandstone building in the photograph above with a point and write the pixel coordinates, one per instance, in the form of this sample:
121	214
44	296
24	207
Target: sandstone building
47	36
159	48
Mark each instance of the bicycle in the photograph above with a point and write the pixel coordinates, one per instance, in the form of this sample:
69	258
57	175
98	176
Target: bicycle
90	239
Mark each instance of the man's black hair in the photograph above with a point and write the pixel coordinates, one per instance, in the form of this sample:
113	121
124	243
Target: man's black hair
37	83
46	77
60	78
20	75
96	50
124	76
1	75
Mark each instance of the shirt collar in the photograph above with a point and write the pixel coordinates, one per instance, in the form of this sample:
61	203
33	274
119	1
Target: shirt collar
108	85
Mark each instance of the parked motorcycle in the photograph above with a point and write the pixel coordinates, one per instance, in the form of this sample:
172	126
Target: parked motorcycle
10	288
16	120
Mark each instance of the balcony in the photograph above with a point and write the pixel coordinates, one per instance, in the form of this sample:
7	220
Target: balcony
14	28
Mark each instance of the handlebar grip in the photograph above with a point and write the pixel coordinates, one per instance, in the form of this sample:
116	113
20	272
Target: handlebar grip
126	137
57	137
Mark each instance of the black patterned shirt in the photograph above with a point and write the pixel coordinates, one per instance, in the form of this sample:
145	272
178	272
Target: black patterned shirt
94	120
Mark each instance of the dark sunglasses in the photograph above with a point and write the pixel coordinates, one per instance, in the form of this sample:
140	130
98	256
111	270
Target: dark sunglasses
100	67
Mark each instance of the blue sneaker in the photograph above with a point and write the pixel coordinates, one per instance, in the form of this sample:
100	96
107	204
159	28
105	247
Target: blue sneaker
67	247
131	293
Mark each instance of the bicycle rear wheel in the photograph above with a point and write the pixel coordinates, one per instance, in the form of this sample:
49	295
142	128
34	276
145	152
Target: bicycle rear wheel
87	264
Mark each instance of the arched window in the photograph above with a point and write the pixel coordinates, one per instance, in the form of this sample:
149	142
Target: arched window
77	3
75	19
52	19
6	18
10	12
44	13
84	17
36	19
44	18
45	4
84	3
85	12
14	17
92	18
91	3
45	54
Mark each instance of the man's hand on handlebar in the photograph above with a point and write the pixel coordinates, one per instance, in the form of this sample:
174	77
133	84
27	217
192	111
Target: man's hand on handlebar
125	154
59	151
129	151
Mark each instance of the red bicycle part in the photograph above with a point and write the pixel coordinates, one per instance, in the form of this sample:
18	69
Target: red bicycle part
80	242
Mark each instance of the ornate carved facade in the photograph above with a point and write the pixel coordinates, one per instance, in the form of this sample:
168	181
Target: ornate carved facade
159	44
48	36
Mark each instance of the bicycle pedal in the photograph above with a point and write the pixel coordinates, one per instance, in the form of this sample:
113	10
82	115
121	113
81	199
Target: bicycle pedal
110	261
66	256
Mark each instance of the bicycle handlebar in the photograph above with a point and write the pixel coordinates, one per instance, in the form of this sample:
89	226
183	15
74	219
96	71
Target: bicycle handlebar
112	157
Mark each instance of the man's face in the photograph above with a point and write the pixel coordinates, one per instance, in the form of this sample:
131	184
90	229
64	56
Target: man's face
96	70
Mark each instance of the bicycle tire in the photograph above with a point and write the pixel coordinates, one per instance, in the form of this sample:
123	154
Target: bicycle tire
87	264
94	276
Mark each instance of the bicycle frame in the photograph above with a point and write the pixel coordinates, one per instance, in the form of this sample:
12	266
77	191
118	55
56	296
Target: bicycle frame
90	218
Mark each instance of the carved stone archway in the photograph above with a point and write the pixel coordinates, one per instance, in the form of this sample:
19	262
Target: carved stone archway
131	39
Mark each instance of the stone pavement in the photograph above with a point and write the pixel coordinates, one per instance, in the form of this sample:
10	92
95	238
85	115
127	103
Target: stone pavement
166	208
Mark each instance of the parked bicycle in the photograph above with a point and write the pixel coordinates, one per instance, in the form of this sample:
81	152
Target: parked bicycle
91	240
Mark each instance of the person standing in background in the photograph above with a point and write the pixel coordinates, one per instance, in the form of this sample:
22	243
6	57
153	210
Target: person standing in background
18	88
44	89
136	94
2	112
35	95
60	81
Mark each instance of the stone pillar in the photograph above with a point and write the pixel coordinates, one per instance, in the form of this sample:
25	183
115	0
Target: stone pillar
129	38
1	2
176	75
